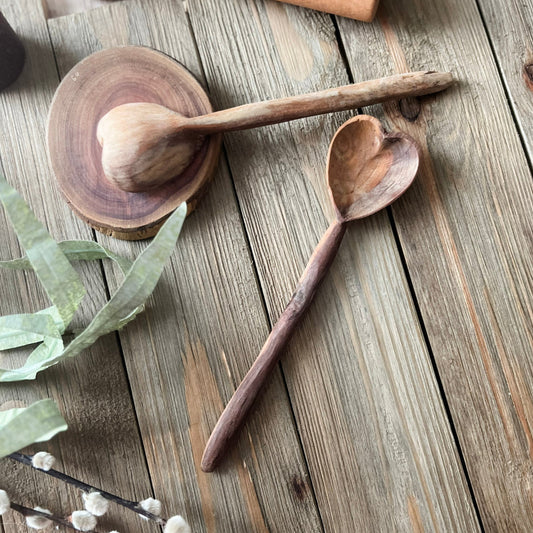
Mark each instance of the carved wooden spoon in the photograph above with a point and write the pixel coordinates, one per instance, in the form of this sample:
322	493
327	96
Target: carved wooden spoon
367	169
145	144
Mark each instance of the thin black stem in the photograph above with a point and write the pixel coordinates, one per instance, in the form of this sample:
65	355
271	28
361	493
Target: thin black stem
26	511
133	506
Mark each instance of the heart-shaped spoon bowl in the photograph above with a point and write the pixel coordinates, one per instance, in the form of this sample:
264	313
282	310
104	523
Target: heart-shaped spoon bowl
368	168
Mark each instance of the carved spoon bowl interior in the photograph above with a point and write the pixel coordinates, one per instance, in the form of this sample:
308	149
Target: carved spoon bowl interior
368	168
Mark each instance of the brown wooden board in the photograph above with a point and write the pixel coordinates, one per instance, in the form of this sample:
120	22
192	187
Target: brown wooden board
465	228
91	391
201	331
379	448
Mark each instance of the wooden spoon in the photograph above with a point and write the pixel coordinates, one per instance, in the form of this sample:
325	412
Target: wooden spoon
145	144
367	169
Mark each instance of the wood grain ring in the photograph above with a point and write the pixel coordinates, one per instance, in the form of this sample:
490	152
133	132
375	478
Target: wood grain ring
95	85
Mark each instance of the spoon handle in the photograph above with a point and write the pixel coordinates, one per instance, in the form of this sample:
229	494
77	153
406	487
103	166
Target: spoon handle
242	400
305	105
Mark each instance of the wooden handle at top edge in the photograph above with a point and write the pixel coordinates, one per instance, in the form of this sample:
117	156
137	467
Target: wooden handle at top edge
364	10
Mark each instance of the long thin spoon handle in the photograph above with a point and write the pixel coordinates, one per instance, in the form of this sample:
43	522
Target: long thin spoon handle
339	99
243	398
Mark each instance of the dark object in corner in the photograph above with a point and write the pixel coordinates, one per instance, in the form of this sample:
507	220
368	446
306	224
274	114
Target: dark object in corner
12	54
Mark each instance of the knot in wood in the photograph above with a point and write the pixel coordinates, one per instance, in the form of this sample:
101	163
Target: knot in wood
299	487
410	108
528	75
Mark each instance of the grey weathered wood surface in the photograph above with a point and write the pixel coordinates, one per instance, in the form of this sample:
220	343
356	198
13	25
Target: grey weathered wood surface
205	319
379	453
58	8
509	29
358	372
465	229
92	391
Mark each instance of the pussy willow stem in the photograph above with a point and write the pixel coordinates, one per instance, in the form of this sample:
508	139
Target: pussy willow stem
133	506
26	511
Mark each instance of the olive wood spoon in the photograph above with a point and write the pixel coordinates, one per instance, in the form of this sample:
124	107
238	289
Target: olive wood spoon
145	144
367	169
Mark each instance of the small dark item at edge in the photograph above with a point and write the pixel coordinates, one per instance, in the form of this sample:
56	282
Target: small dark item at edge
12	54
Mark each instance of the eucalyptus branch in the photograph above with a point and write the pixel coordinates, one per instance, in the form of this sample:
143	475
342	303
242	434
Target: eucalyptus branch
85	487
27	512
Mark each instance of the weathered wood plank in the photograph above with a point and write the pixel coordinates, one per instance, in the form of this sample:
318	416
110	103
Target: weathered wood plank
91	390
509	27
375	434
465	228
207	305
59	8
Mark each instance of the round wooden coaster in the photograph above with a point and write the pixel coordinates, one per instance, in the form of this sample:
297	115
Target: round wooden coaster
93	87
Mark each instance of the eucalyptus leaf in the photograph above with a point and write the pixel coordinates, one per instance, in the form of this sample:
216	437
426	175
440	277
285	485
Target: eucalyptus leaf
74	251
139	283
37	423
48	325
59	279
21	330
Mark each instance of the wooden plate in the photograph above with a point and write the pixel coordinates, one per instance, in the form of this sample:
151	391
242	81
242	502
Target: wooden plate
94	86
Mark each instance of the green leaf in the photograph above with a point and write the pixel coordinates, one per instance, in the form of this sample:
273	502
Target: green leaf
21	330
138	284
48	325
74	251
60	281
51	262
37	423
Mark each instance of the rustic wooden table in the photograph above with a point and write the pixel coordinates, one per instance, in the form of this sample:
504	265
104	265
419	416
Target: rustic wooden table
405	401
